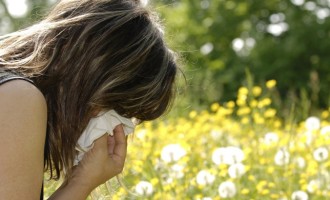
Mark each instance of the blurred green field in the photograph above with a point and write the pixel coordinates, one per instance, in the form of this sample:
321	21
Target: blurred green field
236	150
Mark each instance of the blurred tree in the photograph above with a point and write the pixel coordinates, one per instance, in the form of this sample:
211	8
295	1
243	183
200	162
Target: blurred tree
276	39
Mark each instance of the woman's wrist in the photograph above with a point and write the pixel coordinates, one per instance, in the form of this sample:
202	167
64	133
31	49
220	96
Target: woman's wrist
74	188
79	185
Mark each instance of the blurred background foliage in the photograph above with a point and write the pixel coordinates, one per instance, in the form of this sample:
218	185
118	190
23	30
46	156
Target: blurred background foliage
225	44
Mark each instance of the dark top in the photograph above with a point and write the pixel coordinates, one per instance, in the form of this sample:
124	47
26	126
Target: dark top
6	76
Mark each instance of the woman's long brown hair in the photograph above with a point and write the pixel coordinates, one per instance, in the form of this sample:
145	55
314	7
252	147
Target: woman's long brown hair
91	55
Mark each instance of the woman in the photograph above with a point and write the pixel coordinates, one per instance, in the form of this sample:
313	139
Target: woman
86	56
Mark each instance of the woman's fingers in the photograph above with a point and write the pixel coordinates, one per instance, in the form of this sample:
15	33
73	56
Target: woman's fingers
111	144
120	147
112	148
120	141
115	145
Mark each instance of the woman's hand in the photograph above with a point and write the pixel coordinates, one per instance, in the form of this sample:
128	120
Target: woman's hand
105	160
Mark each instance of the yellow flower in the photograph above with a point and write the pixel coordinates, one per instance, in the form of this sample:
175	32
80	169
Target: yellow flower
264	192
277	123
270	170
254	103
241	102
223	167
270	84
154	181
271	185
230	104
325	114
302	181
261	186
192	114
215	107
269	113
262	161
267	101
243	91
243	111
167	188
245	191
258	119
256	91
251	178
245	120
262	183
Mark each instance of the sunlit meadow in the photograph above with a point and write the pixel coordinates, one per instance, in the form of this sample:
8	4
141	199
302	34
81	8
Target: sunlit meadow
237	150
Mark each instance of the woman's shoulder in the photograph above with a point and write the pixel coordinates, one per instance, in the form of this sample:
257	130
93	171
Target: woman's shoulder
22	107
23	122
21	93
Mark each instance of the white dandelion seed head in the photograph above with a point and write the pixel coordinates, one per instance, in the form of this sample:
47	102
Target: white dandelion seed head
227	155
172	153
227	189
204	198
321	154
144	188
204	177
159	164
177	171
271	138
236	155
282	157
167	180
300	162
324	174
218	155
299	195
313	185
236	170
312	123
309	137
325	131
177	167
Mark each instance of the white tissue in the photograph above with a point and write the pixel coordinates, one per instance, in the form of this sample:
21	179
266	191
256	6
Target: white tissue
104	123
